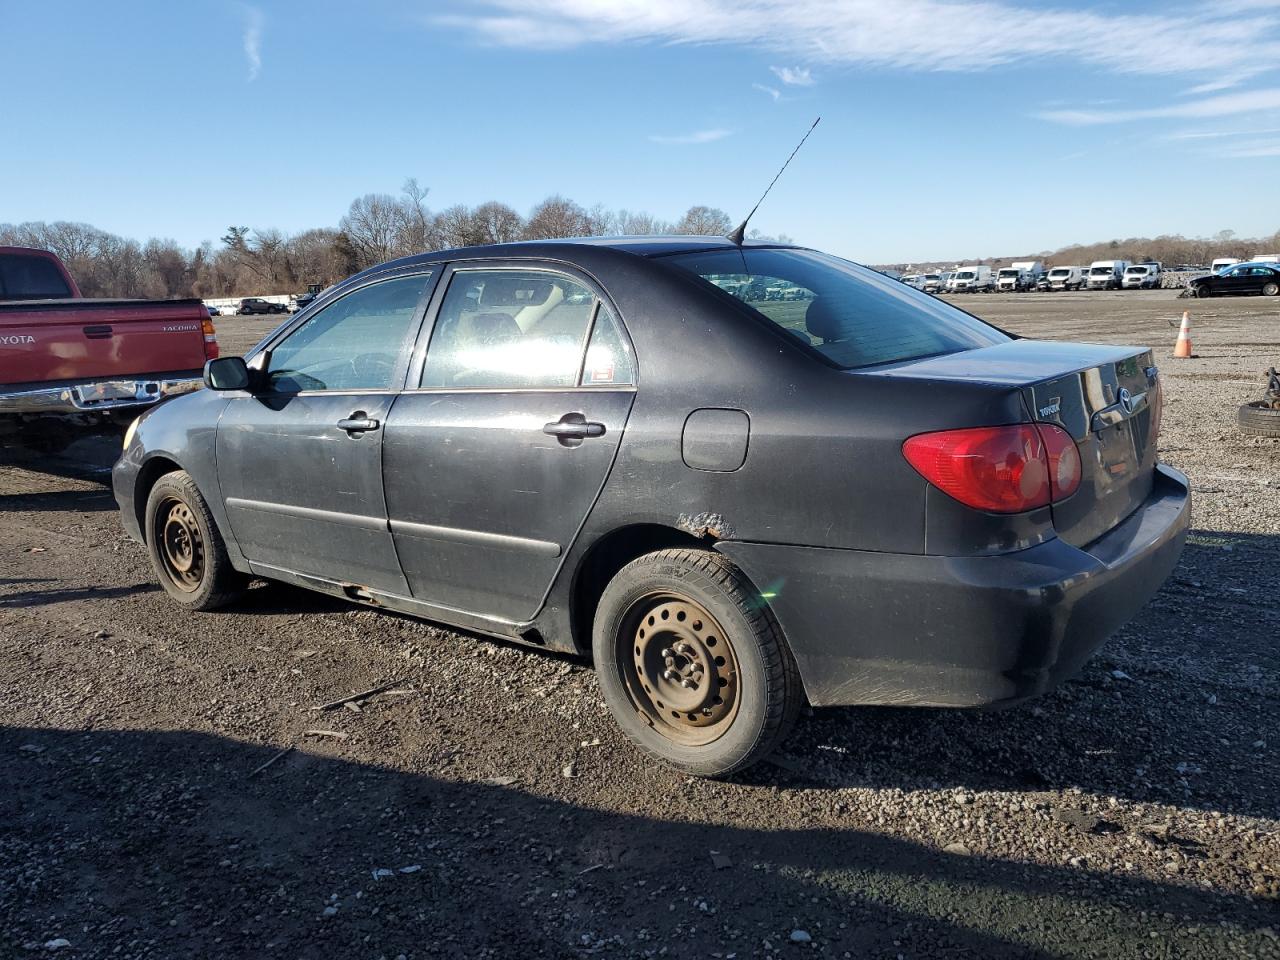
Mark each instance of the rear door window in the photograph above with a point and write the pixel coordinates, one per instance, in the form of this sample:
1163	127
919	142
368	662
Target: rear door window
507	329
852	316
24	277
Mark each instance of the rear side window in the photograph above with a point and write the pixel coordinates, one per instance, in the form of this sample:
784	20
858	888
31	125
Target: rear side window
23	277
853	316
513	329
353	344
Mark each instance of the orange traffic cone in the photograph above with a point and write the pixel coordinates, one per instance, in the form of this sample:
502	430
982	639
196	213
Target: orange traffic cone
1182	349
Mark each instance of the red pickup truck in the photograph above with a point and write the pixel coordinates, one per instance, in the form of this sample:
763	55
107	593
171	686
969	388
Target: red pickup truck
84	361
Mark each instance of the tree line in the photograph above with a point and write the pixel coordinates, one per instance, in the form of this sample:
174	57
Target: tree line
376	227
379	227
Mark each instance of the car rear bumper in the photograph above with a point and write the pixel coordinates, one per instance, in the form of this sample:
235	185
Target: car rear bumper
95	395
912	630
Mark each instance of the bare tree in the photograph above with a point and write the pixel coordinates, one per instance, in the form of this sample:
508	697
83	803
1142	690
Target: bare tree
497	223
705	222
416	234
556	217
372	226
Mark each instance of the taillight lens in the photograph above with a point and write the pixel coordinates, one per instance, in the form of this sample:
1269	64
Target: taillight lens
210	340
1009	469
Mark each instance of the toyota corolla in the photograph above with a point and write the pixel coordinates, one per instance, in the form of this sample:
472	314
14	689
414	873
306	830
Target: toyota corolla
734	503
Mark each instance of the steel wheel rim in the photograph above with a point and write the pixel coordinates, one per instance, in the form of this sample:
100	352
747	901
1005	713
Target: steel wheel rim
680	669
179	544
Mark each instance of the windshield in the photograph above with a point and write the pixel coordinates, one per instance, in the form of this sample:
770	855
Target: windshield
1008	273
1137	271
1060	272
853	316
1100	271
965	275
24	277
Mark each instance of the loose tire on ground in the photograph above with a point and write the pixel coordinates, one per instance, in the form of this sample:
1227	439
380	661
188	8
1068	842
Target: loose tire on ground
1255	420
186	549
693	664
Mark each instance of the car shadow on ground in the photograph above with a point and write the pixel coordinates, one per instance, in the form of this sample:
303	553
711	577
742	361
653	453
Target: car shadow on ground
200	845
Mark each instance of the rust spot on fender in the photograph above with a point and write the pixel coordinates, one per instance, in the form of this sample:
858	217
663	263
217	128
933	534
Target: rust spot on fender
711	525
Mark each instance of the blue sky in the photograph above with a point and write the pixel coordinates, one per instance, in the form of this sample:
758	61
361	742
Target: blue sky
949	128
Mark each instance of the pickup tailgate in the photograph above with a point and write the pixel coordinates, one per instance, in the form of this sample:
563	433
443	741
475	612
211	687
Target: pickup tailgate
61	340
1106	397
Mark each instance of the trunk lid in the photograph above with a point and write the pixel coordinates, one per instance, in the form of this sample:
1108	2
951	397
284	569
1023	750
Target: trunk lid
46	340
1106	397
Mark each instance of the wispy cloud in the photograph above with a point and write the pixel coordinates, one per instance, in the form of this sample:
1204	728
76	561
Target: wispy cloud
1218	134
253	40
1186	38
1255	148
1228	104
771	91
794	76
698	136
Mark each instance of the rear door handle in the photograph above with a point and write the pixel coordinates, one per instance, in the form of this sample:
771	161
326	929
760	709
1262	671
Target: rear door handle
358	423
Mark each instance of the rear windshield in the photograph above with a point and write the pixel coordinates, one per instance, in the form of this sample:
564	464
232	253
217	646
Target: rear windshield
853	316
24	277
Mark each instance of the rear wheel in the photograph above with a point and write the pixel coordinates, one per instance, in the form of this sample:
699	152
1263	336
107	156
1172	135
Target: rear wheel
186	548
1270	289
693	664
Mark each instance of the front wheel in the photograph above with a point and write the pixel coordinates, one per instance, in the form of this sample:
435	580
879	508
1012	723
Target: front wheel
693	664
1202	290
186	548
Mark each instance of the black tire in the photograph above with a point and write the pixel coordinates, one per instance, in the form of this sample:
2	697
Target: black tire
1256	420
1203	290
1270	289
744	688
186	549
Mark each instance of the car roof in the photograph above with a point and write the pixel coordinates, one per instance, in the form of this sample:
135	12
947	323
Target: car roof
642	246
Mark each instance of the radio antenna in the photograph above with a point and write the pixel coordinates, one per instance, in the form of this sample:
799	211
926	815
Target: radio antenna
740	233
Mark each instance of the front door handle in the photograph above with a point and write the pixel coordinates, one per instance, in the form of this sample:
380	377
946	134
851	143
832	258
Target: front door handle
358	422
572	429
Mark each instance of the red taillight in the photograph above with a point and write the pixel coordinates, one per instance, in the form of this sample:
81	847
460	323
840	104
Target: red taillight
1009	469
210	340
1064	460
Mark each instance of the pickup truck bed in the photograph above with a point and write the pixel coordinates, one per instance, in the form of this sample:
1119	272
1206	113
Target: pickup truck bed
79	355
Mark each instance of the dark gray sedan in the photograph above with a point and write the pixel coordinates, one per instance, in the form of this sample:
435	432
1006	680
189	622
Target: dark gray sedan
858	495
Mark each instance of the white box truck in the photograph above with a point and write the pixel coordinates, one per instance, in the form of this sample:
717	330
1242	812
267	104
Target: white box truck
1107	274
1141	276
1067	278
1022	275
971	279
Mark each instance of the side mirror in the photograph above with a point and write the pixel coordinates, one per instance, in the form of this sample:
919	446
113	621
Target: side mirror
226	373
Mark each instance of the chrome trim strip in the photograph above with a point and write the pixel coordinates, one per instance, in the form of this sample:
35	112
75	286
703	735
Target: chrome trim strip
309	513
78	398
475	538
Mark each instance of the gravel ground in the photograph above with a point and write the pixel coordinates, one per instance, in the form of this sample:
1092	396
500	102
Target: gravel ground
485	806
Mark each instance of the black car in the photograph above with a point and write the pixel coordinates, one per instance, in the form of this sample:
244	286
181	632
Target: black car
1243	278
734	505
251	305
